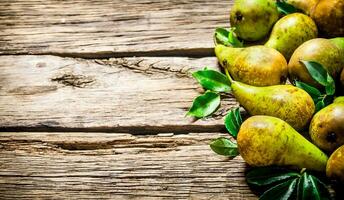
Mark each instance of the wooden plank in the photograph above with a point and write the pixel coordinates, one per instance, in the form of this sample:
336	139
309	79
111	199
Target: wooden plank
110	28
144	94
117	166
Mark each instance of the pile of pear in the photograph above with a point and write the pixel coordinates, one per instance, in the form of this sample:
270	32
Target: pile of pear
284	129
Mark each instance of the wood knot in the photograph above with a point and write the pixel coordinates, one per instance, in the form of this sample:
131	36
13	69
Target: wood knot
70	79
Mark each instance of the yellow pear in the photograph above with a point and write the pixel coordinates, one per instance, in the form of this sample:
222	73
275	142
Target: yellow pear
335	165
265	141
255	65
327	126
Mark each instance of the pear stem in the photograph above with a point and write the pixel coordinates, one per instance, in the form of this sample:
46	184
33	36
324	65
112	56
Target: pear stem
303	170
228	76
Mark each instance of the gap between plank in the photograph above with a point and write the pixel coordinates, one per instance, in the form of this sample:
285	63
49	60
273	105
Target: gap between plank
192	53
134	130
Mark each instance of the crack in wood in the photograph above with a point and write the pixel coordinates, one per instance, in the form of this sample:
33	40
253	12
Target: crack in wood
74	80
146	68
78	142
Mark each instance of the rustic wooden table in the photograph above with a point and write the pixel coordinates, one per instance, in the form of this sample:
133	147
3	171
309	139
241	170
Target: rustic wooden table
93	96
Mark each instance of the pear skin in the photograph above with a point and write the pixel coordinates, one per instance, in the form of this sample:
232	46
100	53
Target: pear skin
305	5
339	100
335	165
290	32
339	42
320	50
286	102
255	65
266	141
327	126
329	17
327	14
253	19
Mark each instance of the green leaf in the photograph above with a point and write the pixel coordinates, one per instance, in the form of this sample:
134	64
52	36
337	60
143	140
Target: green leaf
319	105
227	37
310	187
331	86
205	105
322	188
317	72
286	8
238	117
212	80
221	36
282	191
233	39
233	122
265	176
225	147
312	91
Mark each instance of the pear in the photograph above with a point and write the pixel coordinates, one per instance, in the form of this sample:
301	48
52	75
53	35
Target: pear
253	19
339	42
286	102
290	32
255	65
339	100
329	17
335	165
327	126
327	14
320	50
305	5
266	140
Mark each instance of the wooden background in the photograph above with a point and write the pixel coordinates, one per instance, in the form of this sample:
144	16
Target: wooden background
93	96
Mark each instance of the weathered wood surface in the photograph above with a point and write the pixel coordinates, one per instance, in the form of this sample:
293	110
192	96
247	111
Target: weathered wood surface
125	94
117	166
145	96
108	28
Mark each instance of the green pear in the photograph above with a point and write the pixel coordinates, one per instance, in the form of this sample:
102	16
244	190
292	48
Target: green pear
339	42
255	65
253	19
327	126
286	102
320	50
335	165
266	141
290	32
327	14
339	100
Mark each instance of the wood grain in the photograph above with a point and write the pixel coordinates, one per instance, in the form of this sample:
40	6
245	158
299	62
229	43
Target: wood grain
117	166
143	94
111	28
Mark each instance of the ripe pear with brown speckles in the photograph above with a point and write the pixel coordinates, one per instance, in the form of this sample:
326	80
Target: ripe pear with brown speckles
253	19
327	14
335	165
290	32
321	50
327	126
255	65
286	102
266	141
